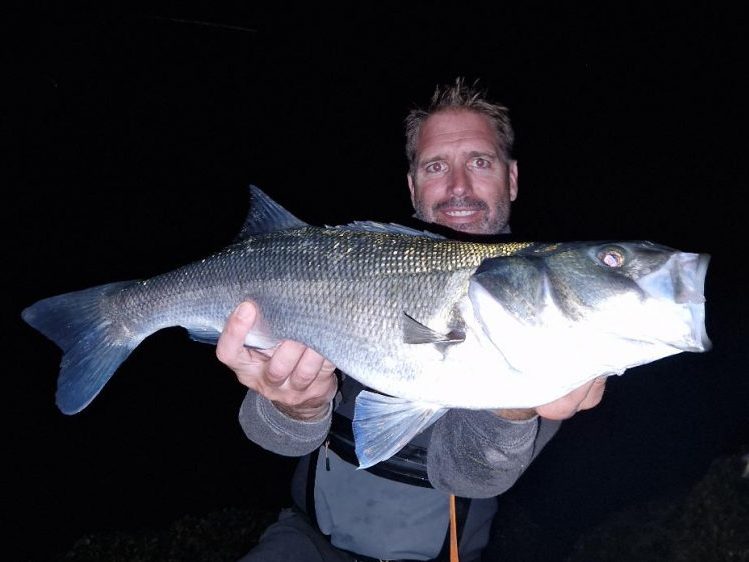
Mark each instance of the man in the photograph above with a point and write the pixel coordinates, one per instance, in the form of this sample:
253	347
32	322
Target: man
461	176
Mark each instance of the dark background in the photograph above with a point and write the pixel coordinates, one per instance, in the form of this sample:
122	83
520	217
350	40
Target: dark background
132	134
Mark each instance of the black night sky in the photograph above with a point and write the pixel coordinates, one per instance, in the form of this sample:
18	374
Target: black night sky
132	135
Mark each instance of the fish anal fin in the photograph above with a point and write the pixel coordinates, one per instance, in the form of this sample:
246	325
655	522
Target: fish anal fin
256	338
204	334
259	337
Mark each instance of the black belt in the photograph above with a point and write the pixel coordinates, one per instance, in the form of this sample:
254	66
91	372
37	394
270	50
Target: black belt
409	465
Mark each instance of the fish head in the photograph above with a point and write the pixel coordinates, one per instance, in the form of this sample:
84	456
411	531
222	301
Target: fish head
594	307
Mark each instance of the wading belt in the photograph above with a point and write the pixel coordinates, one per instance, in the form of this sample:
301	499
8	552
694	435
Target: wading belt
409	465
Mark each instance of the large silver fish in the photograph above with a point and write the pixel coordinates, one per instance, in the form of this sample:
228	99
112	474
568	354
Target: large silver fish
428	323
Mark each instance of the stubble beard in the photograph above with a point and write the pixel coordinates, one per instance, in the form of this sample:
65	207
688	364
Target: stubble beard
496	223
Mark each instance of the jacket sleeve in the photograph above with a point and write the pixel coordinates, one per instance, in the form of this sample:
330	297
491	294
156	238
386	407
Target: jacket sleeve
266	426
476	454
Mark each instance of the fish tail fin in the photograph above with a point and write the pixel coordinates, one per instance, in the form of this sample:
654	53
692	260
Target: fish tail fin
94	345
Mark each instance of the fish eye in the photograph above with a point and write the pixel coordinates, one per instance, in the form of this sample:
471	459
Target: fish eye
611	257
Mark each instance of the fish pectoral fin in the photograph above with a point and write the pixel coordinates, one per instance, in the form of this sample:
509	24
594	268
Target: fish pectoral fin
383	425
416	332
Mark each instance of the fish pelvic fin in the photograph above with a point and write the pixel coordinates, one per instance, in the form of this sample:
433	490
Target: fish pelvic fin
93	346
383	425
266	216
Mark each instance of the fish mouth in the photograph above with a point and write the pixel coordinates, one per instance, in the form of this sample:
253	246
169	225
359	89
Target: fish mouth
682	280
698	308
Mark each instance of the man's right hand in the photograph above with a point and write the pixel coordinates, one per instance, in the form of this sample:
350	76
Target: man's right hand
299	381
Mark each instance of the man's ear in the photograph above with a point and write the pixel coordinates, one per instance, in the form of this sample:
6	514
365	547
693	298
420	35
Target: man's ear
411	187
513	173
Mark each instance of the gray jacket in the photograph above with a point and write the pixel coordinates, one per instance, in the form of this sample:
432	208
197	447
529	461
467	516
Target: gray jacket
471	454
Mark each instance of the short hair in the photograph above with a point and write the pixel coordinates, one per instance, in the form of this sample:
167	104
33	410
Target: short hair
460	96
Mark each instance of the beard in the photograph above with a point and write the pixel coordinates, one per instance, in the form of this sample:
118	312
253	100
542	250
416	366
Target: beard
496	222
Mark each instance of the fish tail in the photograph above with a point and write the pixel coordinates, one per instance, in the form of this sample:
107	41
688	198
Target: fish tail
93	339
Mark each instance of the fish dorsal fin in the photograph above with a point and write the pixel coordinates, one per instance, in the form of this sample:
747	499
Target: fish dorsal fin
416	332
266	216
390	228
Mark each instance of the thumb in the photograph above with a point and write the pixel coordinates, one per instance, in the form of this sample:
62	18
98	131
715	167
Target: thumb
245	313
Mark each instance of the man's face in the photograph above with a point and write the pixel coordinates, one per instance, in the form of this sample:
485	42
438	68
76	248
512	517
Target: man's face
461	179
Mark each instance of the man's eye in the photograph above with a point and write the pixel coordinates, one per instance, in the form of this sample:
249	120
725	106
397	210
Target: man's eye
435	167
481	163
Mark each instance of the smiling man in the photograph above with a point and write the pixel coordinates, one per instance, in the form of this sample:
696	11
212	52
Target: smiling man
461	176
460	173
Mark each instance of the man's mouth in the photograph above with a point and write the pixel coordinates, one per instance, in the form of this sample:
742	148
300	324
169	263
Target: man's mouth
461	213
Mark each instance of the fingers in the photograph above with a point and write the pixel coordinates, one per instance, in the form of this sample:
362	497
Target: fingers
303	382
287	363
230	346
585	397
594	395
296	378
309	367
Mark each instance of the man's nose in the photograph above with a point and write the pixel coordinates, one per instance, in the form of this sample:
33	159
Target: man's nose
459	183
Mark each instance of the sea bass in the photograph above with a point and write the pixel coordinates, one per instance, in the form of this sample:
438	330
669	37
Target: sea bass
426	323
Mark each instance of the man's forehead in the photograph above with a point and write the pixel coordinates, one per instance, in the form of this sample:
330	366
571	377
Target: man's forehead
447	129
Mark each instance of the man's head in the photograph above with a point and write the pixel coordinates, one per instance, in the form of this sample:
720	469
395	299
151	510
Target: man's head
461	174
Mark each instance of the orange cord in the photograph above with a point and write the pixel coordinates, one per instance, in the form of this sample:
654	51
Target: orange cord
453	531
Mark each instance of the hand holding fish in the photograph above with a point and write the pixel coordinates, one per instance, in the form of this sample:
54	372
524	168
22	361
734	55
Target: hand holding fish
585	397
300	382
